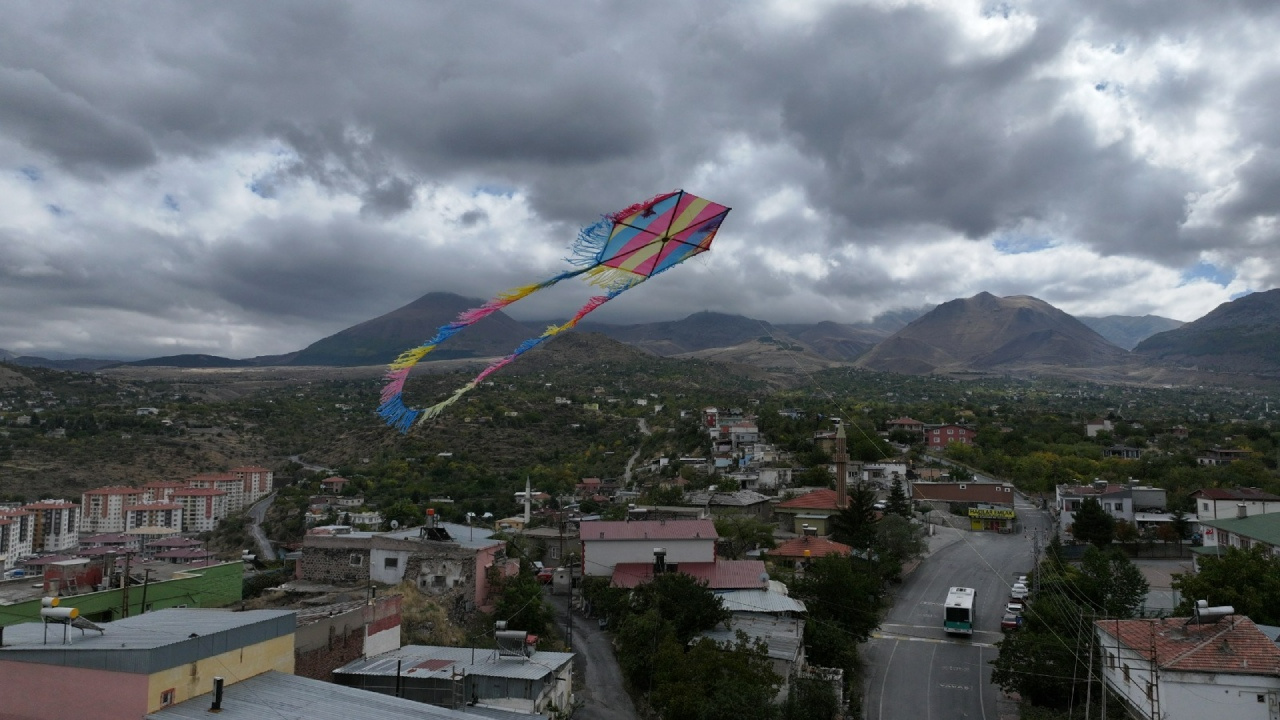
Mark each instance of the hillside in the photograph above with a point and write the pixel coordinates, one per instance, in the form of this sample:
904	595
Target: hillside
837	341
985	333
1238	336
1127	331
191	361
380	340
700	331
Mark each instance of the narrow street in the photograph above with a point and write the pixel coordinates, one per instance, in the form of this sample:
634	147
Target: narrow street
602	696
256	515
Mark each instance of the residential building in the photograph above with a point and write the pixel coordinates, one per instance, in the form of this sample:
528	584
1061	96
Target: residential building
202	508
513	677
1181	669
814	509
1221	456
162	490
720	575
1243	532
606	543
167	515
137	665
738	502
452	562
782	635
15	537
227	483
939	437
257	482
1097	425
103	508
55	525
1122	502
1219	503
796	552
1122	452
333	484
907	424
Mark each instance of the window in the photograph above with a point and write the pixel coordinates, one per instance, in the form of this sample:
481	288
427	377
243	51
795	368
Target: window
167	697
553	552
1126	672
391	563
356	560
1206	506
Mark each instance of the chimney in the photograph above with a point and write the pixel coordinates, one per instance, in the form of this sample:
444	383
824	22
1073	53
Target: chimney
659	561
1242	510
809	531
842	469
217	695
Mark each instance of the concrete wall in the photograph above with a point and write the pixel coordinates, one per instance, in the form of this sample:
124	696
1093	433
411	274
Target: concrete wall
193	679
31	691
331	642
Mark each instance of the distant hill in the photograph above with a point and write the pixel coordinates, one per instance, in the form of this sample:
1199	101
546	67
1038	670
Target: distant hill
380	340
6	355
700	331
991	334
1238	336
837	341
73	364
1127	331
190	361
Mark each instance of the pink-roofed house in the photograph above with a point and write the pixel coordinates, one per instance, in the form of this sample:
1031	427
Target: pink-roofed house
1176	668
719	575
606	543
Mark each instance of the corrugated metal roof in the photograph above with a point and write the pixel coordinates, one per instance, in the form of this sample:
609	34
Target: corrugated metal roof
648	530
290	697
415	661
784	636
760	601
1263	528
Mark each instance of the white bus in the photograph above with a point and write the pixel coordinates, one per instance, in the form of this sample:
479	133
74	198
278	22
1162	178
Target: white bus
958	617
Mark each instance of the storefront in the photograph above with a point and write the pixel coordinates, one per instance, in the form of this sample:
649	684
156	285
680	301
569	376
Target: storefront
992	519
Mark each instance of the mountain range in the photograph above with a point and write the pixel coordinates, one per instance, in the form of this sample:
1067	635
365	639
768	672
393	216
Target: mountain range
982	334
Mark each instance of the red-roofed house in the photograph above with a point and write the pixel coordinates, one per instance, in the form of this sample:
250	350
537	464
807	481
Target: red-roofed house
905	423
719	575
104	508
797	550
1174	668
813	509
1220	503
333	484
606	543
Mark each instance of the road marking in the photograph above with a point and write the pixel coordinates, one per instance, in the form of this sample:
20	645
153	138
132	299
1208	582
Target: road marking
883	680
955	668
953	686
894	636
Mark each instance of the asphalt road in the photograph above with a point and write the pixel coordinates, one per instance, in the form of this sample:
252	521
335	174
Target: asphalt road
256	515
915	670
602	696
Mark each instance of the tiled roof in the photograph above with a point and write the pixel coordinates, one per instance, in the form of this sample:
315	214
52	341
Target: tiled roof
1232	645
1240	493
153	506
114	490
816	500
50	505
1264	528
250	469
720	575
185	492
647	530
963	492
817	547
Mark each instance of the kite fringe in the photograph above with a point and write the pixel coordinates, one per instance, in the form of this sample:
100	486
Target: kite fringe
632	210
591	241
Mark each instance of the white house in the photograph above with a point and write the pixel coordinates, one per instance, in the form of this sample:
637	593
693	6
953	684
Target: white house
1097	425
605	543
1219	503
1178	669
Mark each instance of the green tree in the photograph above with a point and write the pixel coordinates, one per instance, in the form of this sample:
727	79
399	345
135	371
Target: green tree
681	600
855	524
716	681
520	603
843	599
1092	524
897	542
1247	580
740	533
1114	586
898	503
810	699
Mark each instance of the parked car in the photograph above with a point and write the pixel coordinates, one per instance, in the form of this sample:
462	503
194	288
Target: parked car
545	575
1014	607
1010	622
1018	592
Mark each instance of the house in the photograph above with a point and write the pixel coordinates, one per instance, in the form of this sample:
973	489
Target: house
1121	502
1097	425
814	508
449	561
907	424
514	677
1243	532
606	543
1216	503
782	636
1219	666
137	665
939	437
1221	456
330	636
1122	452
989	506
738	502
333	484
720	575
798	551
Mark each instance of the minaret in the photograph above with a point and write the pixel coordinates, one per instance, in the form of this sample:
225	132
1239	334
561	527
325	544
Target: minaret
528	500
842	469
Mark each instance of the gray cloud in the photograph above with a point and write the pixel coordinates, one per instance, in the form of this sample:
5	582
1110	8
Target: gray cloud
889	129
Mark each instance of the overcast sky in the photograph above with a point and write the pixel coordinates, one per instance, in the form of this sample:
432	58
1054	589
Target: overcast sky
244	178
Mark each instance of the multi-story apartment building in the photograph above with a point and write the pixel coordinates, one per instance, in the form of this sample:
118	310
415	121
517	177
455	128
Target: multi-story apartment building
202	508
257	482
15	536
161	490
55	525
153	515
103	508
226	482
939	437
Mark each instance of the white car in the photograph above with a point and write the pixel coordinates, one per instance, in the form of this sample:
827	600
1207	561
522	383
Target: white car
1019	591
1014	607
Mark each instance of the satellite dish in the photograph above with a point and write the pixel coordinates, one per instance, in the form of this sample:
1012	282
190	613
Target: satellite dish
488	516
395	524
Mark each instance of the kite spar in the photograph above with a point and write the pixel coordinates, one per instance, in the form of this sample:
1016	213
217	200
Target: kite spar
620	251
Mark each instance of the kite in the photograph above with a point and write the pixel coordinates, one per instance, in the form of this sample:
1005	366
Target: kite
618	252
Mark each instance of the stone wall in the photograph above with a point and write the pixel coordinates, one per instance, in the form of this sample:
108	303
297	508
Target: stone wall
335	565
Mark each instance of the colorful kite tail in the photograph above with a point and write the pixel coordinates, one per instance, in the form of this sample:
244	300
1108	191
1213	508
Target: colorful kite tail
392	408
524	347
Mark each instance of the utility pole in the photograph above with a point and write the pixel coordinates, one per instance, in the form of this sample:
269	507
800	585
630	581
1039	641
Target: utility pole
124	586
